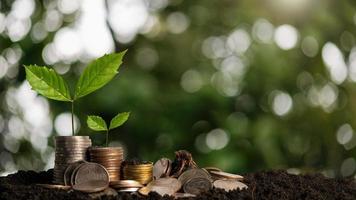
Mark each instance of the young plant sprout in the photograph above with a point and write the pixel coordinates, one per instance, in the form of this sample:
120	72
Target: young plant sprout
98	73
97	123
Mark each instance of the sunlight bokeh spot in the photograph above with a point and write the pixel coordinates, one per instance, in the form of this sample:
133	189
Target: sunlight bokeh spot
335	63
282	103
310	46
177	22
63	124
344	134
191	81
217	139
239	41
263	31
286	36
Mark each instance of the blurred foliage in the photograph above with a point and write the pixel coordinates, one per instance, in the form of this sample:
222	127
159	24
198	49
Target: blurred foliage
271	107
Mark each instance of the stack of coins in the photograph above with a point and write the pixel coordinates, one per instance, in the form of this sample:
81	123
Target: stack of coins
138	172
109	157
69	149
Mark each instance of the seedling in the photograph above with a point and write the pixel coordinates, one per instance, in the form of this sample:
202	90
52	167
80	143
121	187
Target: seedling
98	73
97	123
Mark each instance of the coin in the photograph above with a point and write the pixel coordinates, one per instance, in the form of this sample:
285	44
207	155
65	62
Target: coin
68	172
197	185
75	170
126	184
225	175
183	195
53	186
144	191
91	172
229	185
193	173
164	186
128	190
91	186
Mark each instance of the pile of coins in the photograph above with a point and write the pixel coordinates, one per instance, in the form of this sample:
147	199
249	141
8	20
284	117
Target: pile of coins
69	149
138	172
109	157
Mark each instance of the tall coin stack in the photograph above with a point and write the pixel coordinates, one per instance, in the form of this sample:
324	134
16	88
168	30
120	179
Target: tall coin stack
138	172
69	149
109	157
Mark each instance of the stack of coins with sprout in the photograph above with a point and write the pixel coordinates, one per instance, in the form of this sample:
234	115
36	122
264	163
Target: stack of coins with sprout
109	157
69	149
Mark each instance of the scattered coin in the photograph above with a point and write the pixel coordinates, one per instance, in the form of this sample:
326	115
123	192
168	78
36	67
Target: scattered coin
164	186
229	185
183	195
128	189
91	172
209	169
144	191
126	184
225	175
68	172
193	173
75	170
91	186
53	186
197	185
161	168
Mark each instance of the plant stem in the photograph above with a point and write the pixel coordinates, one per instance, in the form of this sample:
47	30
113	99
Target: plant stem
72	118
107	138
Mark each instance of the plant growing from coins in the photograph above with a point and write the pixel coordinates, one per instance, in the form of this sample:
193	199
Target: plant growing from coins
97	123
98	73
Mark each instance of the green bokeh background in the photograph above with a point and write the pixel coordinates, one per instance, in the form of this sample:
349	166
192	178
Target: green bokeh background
165	117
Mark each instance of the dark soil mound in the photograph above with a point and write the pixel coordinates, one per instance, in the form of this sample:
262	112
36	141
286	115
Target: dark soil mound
262	185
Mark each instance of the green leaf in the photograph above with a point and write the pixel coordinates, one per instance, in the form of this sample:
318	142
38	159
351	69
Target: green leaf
96	123
119	119
47	82
98	73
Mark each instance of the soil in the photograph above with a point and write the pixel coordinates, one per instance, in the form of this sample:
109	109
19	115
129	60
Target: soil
261	185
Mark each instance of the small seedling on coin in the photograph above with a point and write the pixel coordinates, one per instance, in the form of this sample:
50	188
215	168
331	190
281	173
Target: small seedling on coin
97	123
98	73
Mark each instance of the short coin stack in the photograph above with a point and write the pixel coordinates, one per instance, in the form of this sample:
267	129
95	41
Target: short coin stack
69	149
109	157
138	172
